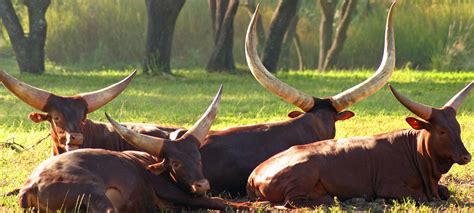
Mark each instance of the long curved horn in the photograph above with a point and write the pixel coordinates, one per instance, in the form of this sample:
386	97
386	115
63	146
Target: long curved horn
265	78
378	79
200	129
455	101
99	98
418	109
146	143
33	96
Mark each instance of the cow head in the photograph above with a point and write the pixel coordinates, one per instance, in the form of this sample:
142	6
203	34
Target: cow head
66	115
328	109
443	130
181	156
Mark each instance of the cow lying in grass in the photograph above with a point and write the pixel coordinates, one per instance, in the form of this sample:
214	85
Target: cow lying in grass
106	181
222	150
229	156
400	164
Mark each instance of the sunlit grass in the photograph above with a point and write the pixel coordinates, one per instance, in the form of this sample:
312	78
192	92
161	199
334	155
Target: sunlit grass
244	101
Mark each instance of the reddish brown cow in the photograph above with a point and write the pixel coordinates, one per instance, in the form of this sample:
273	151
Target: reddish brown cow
229	156
395	165
112	181
70	128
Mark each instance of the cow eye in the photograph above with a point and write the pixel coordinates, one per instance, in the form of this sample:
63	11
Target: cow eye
442	132
175	164
56	118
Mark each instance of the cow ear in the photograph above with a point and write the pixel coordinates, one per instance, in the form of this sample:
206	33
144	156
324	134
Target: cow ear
38	117
416	124
157	168
295	114
344	115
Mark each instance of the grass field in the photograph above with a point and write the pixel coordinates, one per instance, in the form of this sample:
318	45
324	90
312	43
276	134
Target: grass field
244	101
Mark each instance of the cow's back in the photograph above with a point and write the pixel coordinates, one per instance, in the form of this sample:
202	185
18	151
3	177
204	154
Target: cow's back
300	169
85	175
103	136
356	167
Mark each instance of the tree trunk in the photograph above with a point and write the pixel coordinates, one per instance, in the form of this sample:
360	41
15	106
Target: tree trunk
289	41
162	16
348	9
28	47
281	20
222	19
299	53
328	8
250	5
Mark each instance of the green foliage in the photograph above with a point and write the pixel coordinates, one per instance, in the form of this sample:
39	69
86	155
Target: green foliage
98	33
421	32
458	53
181	102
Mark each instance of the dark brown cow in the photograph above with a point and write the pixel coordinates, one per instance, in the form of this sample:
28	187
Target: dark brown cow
104	180
229	156
70	128
395	165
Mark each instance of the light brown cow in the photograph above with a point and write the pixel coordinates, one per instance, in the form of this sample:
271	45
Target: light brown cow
404	163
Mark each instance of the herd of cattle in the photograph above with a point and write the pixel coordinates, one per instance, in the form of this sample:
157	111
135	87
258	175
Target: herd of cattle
109	167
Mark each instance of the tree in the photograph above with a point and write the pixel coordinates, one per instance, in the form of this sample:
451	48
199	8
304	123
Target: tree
281	20
250	6
292	39
330	48
162	16
222	20
28	46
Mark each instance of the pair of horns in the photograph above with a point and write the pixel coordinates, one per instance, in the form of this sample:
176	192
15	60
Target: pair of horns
154	145
424	111
305	101
37	98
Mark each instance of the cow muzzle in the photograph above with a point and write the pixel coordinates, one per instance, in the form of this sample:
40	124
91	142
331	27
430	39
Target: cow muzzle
464	159
73	141
200	187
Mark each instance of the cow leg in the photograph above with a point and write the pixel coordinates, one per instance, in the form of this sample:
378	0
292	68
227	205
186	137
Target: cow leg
395	191
303	196
100	203
167	192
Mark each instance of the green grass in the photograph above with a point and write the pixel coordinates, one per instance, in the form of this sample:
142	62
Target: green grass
244	101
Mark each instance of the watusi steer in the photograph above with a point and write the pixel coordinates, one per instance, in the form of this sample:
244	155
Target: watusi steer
395	165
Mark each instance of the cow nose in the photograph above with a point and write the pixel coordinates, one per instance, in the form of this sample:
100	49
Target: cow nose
466	159
200	187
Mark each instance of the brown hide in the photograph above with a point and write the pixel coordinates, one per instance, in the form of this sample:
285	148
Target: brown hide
105	180
392	165
103	136
229	156
71	130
